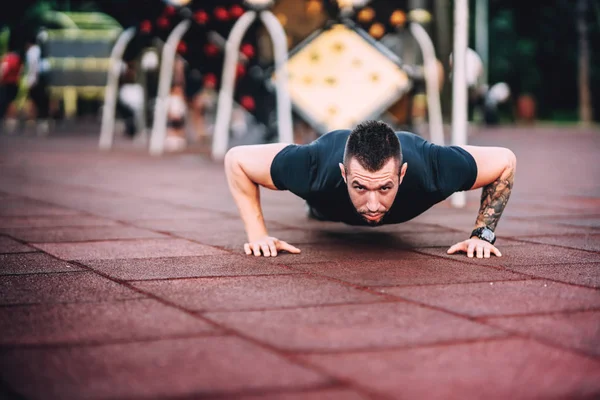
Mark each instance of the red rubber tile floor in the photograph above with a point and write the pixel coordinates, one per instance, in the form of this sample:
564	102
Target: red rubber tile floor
122	276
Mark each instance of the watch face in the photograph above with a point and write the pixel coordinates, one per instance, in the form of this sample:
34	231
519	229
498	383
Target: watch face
488	235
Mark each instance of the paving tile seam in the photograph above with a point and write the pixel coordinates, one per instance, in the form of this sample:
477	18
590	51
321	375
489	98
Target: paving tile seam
562	246
140	239
109	342
386	348
148	294
361	288
485	318
113	193
549	343
42	273
416	285
298	307
465	259
56	303
568	235
555	280
62	303
207	395
19	252
509	335
182	278
476	261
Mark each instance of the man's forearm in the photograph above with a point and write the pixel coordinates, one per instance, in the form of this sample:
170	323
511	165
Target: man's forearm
494	198
247	197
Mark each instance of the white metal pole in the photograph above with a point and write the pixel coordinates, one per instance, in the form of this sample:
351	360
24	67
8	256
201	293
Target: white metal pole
482	35
159	125
434	108
459	84
225	102
107	130
284	104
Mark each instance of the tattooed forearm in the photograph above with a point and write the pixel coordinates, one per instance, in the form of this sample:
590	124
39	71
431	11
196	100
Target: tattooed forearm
494	198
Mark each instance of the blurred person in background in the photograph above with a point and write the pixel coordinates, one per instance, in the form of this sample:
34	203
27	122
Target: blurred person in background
176	120
10	76
36	83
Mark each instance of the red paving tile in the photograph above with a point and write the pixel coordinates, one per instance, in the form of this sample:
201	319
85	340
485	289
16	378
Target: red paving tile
53	221
28	208
254	292
167	368
143	248
583	241
585	274
186	267
588	222
8	245
351	251
234	240
347	327
577	330
421	352
497	369
414	270
324	394
96	323
61	288
80	234
29	263
502	298
507	227
531	254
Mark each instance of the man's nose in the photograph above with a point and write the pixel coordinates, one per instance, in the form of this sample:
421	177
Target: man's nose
372	202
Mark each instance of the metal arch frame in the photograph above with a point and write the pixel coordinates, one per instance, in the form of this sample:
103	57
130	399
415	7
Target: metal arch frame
107	130
436	125
225	102
459	86
159	124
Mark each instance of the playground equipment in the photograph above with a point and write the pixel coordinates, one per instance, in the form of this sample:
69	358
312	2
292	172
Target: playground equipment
232	51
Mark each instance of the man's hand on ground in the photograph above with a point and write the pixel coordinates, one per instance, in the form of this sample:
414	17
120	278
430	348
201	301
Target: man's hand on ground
475	246
268	246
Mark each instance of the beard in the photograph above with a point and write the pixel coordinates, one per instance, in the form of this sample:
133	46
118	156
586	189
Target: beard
369	222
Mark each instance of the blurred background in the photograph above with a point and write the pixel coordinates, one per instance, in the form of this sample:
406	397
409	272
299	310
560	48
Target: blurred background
529	62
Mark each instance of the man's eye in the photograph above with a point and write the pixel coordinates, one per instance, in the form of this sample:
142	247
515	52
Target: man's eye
385	188
359	188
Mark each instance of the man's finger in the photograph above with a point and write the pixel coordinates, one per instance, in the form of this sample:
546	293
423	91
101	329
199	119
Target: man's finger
454	248
470	250
256	249
496	251
486	252
457	247
288	247
265	250
247	249
272	248
479	251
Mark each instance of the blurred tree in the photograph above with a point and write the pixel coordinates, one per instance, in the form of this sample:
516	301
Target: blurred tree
585	100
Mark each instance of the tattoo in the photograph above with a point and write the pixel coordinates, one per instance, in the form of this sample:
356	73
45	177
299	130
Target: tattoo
494	198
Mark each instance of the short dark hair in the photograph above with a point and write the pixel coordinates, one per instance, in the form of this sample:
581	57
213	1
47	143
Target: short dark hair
372	143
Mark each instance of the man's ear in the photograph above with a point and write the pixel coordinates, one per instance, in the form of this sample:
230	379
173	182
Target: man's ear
402	172
343	169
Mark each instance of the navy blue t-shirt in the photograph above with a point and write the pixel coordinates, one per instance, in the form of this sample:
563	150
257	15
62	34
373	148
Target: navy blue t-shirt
312	172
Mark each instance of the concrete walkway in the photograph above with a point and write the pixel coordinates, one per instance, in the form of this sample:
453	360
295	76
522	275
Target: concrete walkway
122	276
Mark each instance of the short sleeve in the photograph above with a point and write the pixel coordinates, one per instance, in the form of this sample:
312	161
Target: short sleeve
456	169
293	169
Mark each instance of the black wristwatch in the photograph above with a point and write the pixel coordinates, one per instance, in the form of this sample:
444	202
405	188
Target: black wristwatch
484	233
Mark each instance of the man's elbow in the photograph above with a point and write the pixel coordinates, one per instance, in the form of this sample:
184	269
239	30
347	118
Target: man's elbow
232	159
511	160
